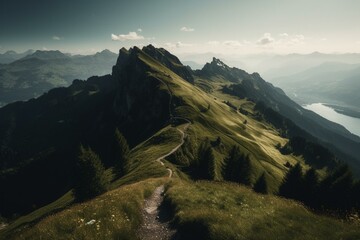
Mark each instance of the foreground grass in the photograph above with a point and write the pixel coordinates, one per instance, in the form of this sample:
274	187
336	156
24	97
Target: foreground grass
143	166
209	210
113	215
40	213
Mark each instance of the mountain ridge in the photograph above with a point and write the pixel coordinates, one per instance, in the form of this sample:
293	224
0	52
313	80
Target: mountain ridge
142	98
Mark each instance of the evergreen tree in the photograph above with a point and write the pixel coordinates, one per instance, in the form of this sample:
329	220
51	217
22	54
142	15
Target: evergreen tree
206	161
310	187
292	185
121	154
355	196
91	180
260	185
237	167
336	190
230	162
341	192
245	170
211	165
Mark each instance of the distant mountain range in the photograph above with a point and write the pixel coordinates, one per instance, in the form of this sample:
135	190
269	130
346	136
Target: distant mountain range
284	65
33	74
331	82
11	56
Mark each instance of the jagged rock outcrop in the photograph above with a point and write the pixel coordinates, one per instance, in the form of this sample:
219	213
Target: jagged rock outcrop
218	68
170	61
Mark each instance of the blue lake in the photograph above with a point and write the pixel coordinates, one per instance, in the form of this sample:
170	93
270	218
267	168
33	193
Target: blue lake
350	123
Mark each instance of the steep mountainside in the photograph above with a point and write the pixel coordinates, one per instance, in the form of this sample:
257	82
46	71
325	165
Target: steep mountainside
168	114
41	71
254	88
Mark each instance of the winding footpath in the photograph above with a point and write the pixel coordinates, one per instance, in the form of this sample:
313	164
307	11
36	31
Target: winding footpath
156	218
182	132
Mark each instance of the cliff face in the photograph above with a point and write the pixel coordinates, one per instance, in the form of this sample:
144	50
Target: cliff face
139	100
170	61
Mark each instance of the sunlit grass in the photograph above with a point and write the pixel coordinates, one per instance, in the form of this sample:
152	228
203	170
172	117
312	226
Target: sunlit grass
209	210
113	215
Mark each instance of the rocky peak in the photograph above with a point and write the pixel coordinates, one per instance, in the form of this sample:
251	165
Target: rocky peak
105	52
219	63
218	68
170	61
215	67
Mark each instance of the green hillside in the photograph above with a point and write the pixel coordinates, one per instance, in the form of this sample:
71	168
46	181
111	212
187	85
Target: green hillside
168	119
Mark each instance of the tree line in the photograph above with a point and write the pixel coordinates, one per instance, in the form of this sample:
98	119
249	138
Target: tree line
91	179
337	192
237	167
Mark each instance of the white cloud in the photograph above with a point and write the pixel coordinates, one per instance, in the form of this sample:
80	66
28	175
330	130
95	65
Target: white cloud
265	39
213	43
232	43
177	45
180	44
124	37
186	29
284	39
297	39
56	38
170	45
139	30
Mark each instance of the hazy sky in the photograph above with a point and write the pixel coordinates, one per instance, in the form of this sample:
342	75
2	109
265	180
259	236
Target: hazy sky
182	26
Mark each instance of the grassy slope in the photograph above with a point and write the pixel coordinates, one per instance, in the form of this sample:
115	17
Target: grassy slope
208	210
142	167
257	138
116	214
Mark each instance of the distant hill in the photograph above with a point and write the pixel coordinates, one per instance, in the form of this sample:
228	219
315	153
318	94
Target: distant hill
47	55
40	71
285	65
11	56
330	82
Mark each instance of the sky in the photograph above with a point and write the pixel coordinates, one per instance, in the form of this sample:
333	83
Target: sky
188	26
